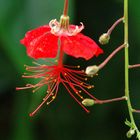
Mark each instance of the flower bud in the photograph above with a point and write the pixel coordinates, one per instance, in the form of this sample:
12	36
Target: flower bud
130	133
104	38
88	102
91	70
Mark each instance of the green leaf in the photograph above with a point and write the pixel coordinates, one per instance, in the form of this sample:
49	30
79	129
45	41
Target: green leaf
128	123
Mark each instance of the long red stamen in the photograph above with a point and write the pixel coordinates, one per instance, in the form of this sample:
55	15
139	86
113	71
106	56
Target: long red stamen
78	82
51	76
52	88
34	112
73	87
75	98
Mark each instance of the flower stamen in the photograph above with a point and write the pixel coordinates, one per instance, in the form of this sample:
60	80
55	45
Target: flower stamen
51	76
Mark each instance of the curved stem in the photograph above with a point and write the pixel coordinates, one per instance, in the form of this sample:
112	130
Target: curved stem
114	25
127	67
110	56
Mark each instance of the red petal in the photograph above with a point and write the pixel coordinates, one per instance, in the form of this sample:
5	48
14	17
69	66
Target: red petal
40	43
33	34
45	46
80	46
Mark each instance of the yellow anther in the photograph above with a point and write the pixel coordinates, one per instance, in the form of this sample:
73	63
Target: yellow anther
86	79
48	103
89	87
82	97
53	97
78	66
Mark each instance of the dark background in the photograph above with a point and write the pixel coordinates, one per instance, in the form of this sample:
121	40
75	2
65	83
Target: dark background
64	119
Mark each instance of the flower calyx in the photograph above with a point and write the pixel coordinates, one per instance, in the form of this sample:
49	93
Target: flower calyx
63	27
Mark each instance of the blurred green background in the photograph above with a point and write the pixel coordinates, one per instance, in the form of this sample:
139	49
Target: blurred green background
64	119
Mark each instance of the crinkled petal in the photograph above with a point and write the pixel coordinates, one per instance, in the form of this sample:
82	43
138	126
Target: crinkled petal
33	34
80	46
45	46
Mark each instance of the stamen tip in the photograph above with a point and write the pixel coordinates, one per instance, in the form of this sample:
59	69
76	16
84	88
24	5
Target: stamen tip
78	66
17	88
31	114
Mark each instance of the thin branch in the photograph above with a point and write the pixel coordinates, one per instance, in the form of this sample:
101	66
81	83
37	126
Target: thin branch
91	102
135	111
114	25
110	56
134	66
110	100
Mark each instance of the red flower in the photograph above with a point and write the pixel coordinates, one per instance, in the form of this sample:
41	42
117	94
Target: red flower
43	42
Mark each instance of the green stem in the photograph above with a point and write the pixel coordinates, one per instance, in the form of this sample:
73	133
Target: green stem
127	58
127	67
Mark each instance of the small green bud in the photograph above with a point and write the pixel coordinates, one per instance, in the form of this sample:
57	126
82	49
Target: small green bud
130	133
92	70
88	102
104	38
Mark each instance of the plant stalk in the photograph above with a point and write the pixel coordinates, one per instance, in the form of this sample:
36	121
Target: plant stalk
65	10
127	68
